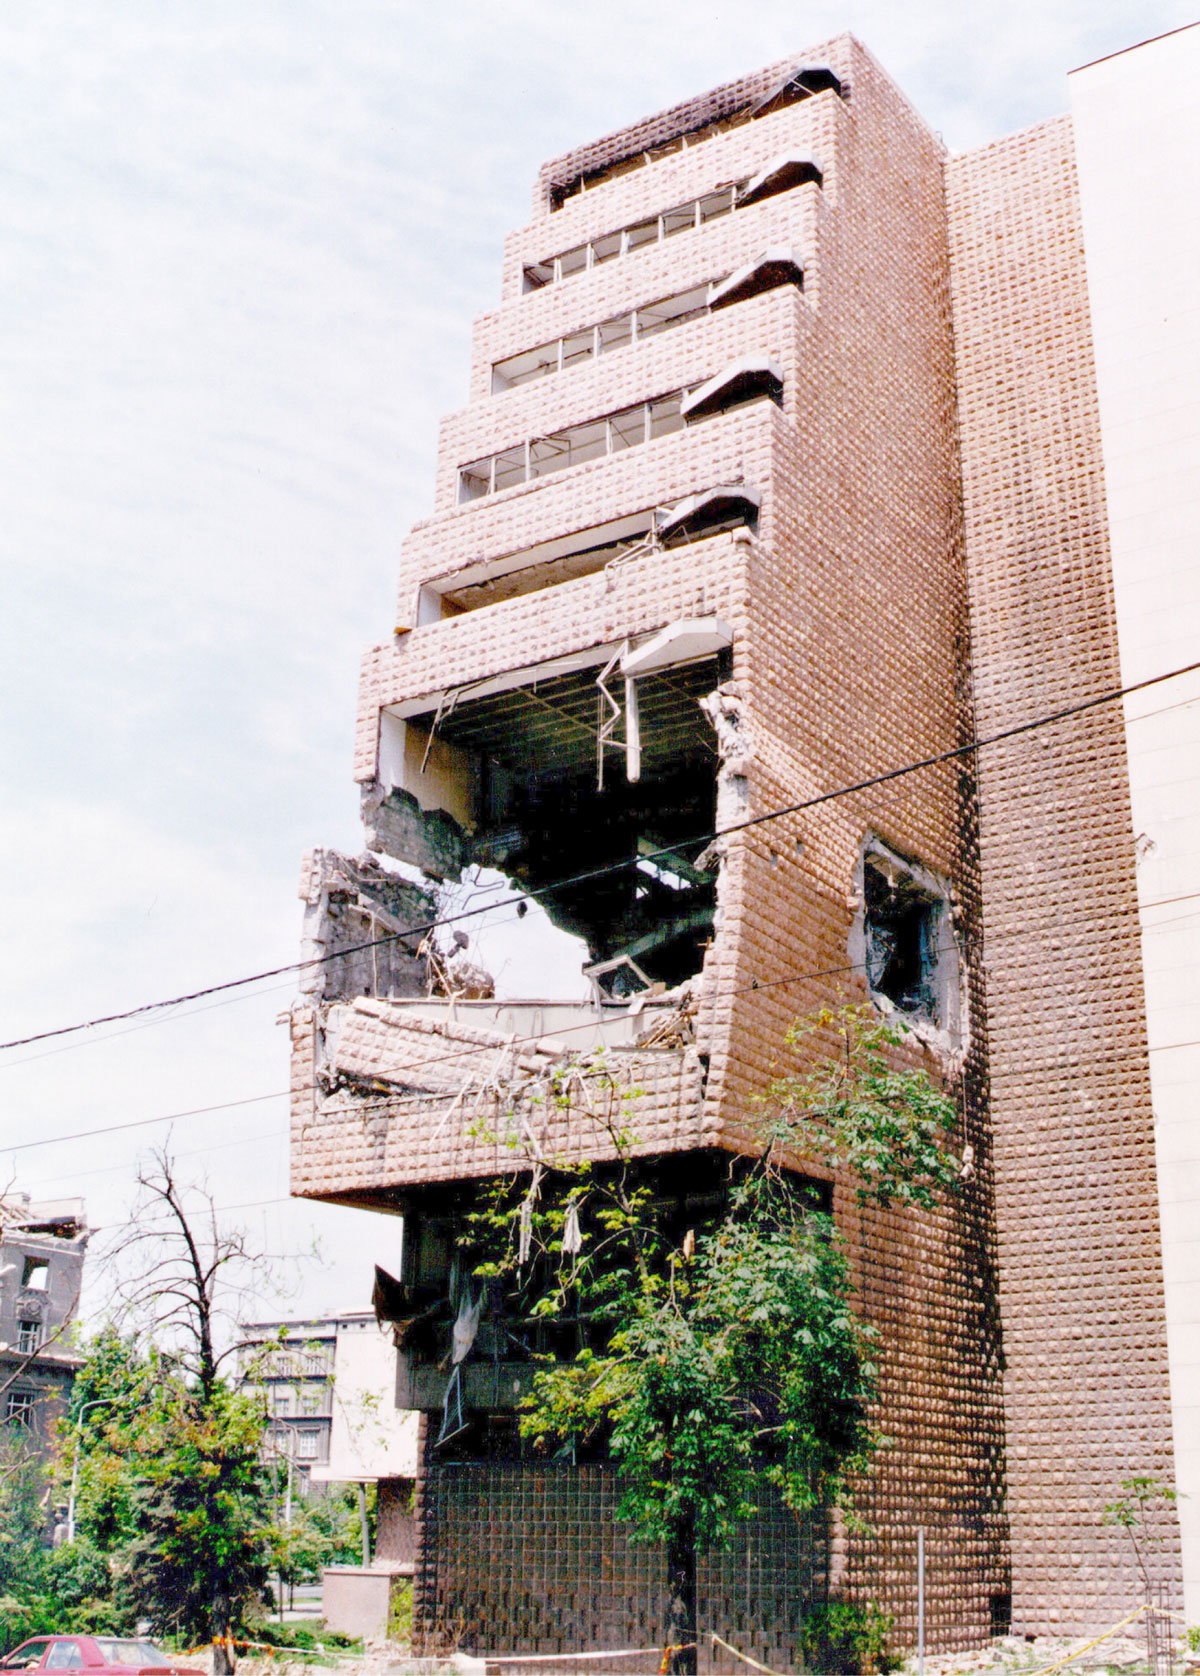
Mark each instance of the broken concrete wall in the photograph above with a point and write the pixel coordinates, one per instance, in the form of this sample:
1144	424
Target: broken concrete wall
363	928
385	1099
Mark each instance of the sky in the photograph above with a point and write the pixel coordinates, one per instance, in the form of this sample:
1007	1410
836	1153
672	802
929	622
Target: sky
241	247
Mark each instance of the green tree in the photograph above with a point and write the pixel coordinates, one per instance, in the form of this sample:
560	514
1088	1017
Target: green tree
733	1357
117	1384
325	1530
1142	1511
193	1498
43	1589
24	1491
200	1527
168	1491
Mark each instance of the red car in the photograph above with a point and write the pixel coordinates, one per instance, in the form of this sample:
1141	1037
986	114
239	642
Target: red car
94	1653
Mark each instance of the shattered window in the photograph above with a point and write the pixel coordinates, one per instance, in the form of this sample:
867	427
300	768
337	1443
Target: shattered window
19	1408
36	1273
603	250
475	480
643	232
614	333
665	416
902	922
628	429
740	385
580	346
679	218
716	204
801	83
510	468
672	311
573	261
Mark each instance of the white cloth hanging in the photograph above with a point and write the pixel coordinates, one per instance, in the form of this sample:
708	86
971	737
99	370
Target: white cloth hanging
465	1327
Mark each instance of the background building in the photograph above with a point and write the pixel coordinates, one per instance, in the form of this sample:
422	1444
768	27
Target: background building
783	468
292	1364
42	1249
329	1388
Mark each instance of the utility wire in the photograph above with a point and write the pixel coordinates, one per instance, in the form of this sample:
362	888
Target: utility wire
956	753
145	1122
469	1050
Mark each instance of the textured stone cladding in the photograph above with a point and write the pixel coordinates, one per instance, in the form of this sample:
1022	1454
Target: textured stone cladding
850	658
1081	1287
347	1144
855	662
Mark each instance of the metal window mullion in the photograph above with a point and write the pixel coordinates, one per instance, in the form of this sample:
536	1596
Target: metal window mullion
559	363
491	488
596	342
696	214
633	325
608	435
645	421
528	450
662	231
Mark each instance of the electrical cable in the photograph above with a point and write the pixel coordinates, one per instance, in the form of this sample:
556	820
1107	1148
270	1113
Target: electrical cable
954	754
471	1050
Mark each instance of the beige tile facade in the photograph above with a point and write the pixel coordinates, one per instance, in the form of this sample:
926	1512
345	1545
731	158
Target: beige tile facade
930	558
1086	1391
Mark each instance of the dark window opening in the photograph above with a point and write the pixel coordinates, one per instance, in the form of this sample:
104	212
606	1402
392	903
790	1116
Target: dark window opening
713	513
29	1337
19	1409
543	808
903	924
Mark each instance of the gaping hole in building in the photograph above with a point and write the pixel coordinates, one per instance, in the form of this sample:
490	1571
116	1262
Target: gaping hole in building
603	776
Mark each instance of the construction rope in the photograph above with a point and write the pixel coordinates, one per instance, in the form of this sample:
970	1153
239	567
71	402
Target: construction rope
1078	1653
745	1657
564	1658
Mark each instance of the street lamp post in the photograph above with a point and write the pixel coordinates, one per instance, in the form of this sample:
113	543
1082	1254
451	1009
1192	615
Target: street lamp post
96	1402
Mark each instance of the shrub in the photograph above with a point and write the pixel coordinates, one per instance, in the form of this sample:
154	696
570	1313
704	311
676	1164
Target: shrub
400	1612
847	1638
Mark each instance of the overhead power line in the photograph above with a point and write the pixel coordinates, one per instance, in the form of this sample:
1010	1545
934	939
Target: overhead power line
956	753
467	1050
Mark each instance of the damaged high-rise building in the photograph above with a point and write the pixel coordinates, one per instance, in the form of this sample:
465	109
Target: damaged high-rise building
799	452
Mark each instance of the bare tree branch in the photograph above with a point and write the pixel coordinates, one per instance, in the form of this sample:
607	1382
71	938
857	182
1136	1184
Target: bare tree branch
180	1273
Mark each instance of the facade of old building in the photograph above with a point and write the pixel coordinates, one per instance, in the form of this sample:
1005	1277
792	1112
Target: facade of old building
782	471
42	1249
